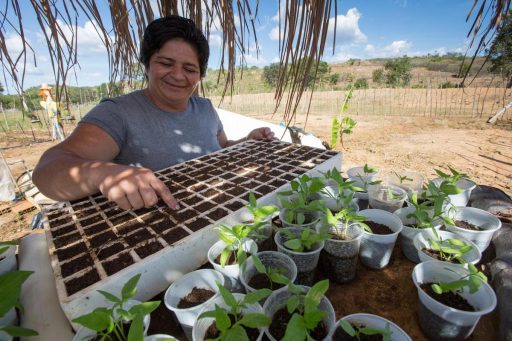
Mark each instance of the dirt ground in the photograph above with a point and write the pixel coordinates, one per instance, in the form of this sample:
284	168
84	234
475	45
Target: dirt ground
392	143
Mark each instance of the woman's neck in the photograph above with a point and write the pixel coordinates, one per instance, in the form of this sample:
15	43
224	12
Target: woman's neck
165	106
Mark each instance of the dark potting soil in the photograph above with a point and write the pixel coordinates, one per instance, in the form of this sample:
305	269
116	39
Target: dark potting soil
437	255
218	214
213	333
75	265
280	320
261	281
467	226
341	335
197	224
76	284
71	251
117	264
175	235
277	222
147	249
195	297
222	198
450	299
378	228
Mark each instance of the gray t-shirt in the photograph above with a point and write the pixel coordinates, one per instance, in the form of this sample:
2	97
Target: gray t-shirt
153	138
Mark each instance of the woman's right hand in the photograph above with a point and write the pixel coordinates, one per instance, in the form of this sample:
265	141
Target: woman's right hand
134	187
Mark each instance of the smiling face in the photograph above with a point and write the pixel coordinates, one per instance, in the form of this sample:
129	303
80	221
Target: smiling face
173	75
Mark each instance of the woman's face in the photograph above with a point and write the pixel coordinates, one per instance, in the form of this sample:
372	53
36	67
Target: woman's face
173	75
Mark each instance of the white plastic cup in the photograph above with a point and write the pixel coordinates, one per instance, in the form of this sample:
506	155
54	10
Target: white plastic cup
202	279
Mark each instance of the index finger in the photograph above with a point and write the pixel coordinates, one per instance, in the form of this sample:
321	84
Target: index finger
163	192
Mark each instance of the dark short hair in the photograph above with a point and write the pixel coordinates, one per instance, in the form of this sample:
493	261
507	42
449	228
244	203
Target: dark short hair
161	30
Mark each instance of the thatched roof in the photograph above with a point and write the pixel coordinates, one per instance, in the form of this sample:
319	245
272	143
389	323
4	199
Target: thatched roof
304	33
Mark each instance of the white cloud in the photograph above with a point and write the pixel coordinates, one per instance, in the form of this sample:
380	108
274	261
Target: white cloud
347	28
251	60
397	48
215	40
340	57
274	34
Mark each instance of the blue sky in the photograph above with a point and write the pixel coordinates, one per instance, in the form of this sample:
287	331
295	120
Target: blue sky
365	29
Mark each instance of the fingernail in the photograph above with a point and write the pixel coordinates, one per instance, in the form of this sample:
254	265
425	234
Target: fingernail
176	207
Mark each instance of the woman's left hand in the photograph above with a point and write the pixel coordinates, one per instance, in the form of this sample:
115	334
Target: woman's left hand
263	133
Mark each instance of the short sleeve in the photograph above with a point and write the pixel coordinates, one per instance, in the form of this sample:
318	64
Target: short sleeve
107	117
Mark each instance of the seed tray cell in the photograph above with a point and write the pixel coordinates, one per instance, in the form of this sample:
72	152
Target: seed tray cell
94	244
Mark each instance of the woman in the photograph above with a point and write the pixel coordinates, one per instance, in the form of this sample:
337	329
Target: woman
119	143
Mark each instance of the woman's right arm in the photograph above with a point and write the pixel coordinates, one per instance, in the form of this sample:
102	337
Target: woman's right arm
82	165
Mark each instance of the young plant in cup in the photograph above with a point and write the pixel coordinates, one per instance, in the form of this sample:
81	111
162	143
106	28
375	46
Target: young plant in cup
447	250
357	332
473	280
299	206
363	179
342	195
303	245
456	185
107	323
231	251
418	217
262	225
275	277
340	254
233	237
303	242
386	197
452	299
233	317
300	313
10	289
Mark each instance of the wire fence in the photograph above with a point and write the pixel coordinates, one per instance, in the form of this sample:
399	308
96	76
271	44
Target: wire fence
427	98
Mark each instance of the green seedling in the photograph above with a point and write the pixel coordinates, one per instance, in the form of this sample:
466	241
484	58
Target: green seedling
306	313
10	289
275	275
305	241
302	192
108	322
423	213
234	238
402	178
364	178
472	281
342	125
260	213
4	246
346	217
449	249
230	322
449	182
345	189
304	187
358	331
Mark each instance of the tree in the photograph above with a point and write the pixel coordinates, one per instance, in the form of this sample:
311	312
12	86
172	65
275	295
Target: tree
378	76
398	71
500	52
271	73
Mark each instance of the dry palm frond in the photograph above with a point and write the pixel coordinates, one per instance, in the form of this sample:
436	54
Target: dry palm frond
491	11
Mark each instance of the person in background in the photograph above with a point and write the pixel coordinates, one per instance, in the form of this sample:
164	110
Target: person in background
50	107
118	145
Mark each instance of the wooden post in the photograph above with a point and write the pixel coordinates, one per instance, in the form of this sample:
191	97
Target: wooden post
33	134
19	125
5	116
